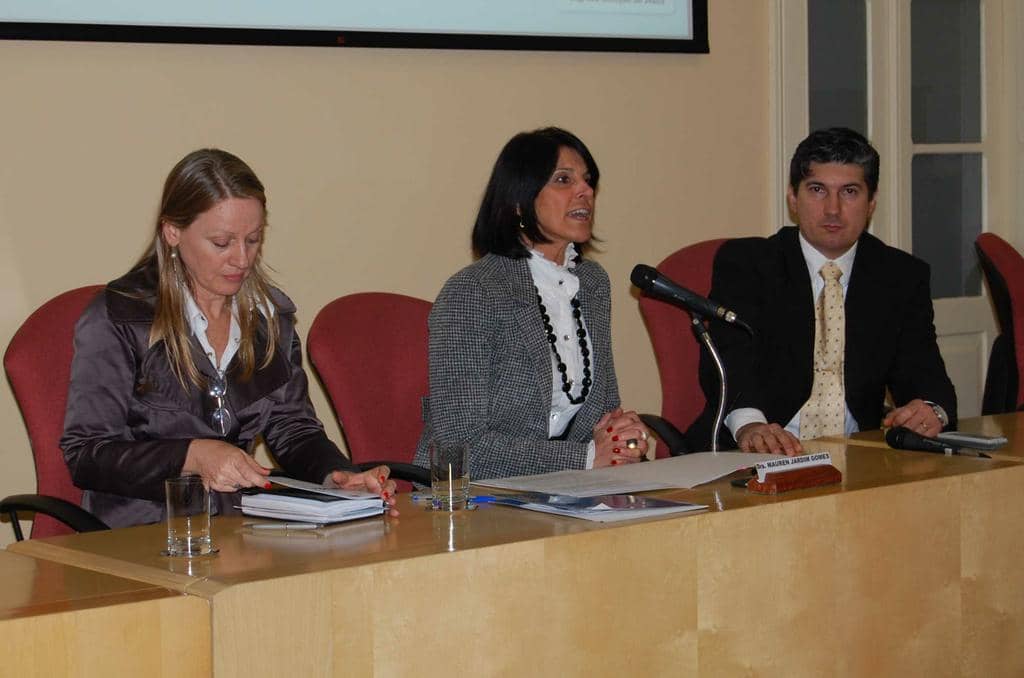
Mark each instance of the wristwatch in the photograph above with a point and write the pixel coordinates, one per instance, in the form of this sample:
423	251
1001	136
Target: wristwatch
939	412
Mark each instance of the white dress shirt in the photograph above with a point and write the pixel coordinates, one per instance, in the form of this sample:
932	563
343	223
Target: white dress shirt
557	285
814	259
198	322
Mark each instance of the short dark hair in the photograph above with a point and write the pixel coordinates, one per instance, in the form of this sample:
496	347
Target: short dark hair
835	144
522	169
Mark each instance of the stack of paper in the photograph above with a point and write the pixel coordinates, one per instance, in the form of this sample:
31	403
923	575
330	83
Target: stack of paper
685	472
604	508
307	502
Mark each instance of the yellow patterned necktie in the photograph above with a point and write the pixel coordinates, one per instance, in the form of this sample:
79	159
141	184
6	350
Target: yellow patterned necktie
824	413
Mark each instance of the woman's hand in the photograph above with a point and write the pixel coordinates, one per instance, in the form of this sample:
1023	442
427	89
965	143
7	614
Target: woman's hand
620	438
224	467
375	480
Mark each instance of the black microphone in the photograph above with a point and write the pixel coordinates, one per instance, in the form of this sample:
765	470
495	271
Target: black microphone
655	284
903	438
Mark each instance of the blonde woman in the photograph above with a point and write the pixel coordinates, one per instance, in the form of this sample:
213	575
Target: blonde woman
184	361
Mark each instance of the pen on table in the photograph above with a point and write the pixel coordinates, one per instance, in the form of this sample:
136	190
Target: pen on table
478	499
284	526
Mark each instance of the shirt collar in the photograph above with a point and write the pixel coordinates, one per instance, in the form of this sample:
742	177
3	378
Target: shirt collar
815	260
195	317
568	262
548	274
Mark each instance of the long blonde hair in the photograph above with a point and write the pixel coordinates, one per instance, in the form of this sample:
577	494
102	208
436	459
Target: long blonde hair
199	181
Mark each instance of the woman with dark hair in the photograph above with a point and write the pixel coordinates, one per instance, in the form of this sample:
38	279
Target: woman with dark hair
520	341
184	361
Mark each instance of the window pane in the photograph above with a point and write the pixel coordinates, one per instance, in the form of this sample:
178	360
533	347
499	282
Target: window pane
946	220
837	62
945	51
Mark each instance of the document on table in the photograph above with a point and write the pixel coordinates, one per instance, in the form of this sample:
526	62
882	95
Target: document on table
328	490
297	500
602	508
683	472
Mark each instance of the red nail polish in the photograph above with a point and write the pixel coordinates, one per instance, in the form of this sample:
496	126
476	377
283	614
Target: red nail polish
266	486
609	429
387	495
616	450
382	479
615	439
615	462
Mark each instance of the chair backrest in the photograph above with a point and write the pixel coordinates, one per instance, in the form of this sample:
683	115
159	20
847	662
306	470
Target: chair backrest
1003	267
38	365
675	347
370	350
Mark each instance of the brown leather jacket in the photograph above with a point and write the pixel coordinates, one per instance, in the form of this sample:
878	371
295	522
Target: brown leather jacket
129	422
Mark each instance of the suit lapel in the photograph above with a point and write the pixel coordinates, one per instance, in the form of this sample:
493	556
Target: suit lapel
530	326
798	310
867	287
594	309
263	381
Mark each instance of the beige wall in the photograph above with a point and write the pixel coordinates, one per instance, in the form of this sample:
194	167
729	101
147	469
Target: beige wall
374	160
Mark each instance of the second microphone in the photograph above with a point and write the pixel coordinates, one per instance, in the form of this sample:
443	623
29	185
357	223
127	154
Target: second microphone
655	284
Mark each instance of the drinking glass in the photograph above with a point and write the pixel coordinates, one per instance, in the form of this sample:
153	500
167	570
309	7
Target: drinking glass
188	517
449	475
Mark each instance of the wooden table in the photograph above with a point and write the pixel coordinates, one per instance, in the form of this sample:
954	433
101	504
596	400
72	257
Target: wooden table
58	620
1009	425
913	566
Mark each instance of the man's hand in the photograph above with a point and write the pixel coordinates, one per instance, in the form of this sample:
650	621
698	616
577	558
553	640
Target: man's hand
768	439
917	415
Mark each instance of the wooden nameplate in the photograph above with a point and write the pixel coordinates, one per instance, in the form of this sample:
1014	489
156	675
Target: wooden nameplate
796	479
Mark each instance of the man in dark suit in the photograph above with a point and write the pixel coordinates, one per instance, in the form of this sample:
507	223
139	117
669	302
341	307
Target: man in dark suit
778	286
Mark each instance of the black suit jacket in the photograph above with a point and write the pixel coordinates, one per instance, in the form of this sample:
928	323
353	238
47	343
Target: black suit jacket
890	334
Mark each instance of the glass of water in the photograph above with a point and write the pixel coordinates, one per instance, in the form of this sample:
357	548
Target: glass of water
449	475
188	517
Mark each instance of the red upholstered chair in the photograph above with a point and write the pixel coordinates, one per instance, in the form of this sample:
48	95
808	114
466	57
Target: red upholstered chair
370	350
38	366
1003	267
675	347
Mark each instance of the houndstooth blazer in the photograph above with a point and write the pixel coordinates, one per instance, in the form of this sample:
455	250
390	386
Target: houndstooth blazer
490	370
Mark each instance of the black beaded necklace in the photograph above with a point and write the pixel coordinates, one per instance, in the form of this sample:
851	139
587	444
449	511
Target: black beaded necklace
584	350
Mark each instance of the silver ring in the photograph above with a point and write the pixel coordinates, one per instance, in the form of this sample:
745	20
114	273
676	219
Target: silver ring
632	443
643	435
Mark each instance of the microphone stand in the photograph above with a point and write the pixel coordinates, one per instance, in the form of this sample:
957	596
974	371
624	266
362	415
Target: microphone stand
700	331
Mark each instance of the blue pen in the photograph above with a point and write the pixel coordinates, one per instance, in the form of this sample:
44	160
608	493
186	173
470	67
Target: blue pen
479	499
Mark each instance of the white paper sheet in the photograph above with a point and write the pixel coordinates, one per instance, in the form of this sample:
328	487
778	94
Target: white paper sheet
683	472
321	489
601	508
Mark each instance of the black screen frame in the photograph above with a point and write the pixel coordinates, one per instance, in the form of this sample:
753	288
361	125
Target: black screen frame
72	32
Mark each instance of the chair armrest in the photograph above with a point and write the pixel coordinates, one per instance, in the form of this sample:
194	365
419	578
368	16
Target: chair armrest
72	515
667	433
400	471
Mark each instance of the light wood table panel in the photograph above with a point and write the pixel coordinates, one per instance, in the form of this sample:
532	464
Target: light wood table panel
58	620
1009	425
911	567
